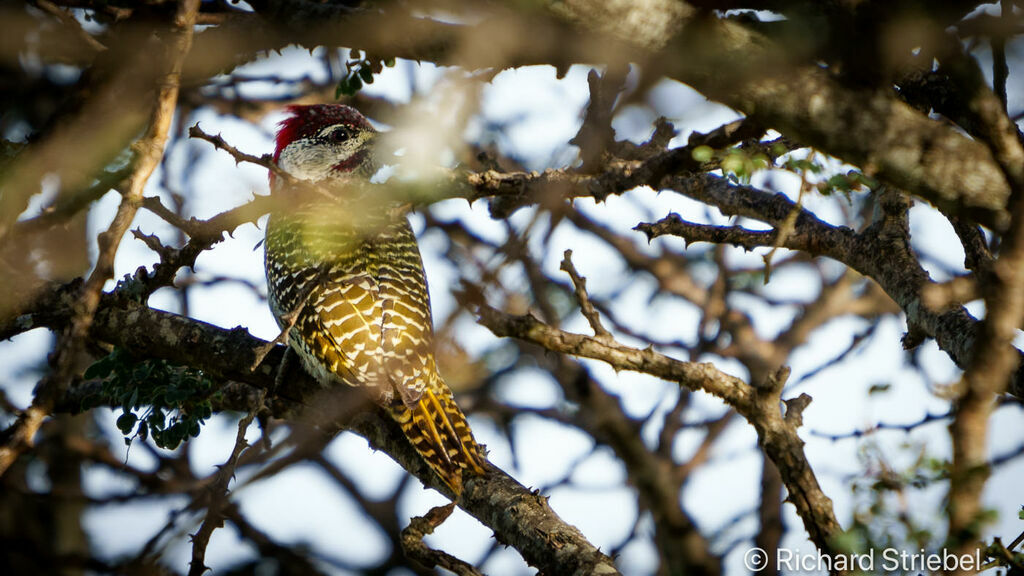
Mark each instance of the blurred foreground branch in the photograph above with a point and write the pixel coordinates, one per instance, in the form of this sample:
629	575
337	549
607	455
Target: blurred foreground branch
149	149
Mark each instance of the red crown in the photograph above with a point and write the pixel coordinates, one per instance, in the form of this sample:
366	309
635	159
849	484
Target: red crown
306	121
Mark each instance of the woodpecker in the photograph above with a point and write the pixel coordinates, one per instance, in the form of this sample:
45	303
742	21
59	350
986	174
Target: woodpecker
345	280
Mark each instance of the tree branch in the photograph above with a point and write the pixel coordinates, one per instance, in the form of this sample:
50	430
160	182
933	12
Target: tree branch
759	404
870	128
518	517
217	497
881	252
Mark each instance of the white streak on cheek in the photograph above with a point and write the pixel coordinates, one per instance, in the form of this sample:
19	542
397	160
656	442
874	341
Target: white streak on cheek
310	160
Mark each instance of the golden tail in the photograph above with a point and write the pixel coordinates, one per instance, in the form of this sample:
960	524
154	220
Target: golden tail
439	432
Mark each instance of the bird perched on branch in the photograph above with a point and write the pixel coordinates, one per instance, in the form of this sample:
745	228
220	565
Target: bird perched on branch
346	283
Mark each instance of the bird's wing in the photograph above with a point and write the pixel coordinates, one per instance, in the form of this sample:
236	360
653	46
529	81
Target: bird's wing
344	313
373	329
406	334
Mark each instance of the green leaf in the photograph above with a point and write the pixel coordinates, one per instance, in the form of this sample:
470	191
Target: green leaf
703	153
126	422
366	74
733	163
142	372
99	369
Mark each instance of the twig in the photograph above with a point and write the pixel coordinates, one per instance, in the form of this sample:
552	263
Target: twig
266	160
674	225
596	134
977	256
586	307
70	21
154	205
928	418
416	549
1016	541
216	496
66	207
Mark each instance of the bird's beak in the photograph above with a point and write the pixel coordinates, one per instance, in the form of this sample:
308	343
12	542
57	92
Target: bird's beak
382	146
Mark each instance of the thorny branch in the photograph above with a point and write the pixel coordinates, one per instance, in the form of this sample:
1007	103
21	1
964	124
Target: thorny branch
758	403
216	496
518	517
266	160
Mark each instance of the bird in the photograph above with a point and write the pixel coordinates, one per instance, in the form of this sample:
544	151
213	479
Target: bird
346	284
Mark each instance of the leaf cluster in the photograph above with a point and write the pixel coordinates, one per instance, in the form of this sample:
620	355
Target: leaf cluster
159	400
359	70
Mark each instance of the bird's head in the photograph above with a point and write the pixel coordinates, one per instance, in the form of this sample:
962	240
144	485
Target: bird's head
324	141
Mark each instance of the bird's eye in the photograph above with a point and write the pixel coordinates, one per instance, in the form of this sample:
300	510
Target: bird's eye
340	135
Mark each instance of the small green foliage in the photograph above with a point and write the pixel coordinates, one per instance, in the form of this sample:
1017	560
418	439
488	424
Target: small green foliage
157	399
881	516
703	153
804	165
740	165
359	70
1020	514
846	183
